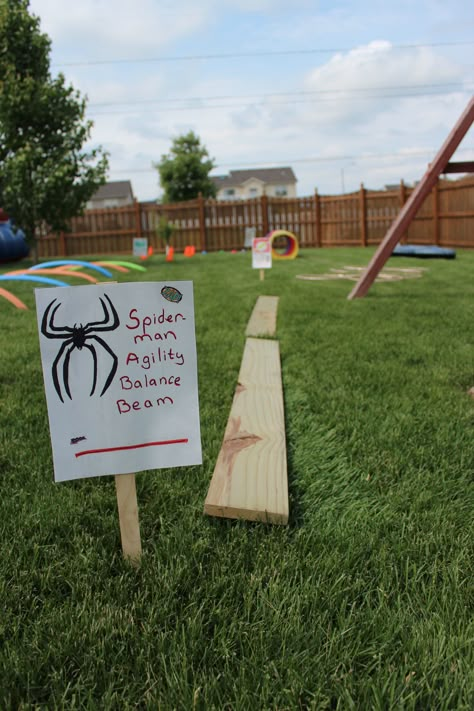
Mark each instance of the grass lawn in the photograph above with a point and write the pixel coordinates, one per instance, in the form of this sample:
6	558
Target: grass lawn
364	601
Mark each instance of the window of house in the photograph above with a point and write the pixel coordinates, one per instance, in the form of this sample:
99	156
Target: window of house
111	202
281	191
229	192
253	192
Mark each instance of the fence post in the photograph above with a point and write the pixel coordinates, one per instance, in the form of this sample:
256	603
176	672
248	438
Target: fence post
202	223
62	244
363	215
138	219
436	225
317	217
265	221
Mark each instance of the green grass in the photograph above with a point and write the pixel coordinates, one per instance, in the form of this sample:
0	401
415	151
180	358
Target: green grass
365	601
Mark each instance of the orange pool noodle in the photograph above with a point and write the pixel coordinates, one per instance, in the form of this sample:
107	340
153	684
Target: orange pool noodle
13	299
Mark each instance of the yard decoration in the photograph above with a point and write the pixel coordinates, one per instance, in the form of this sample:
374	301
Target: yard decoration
291	247
170	255
148	254
121	384
165	231
140	247
189	250
261	254
250	477
12	242
13	299
439	165
75	262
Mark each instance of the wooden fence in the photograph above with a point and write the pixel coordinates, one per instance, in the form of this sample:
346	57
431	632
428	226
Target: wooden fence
446	218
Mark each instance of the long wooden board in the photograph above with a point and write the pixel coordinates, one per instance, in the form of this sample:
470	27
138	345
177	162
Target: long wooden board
250	479
263	319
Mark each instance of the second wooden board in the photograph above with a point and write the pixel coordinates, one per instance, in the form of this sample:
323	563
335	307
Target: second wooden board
262	322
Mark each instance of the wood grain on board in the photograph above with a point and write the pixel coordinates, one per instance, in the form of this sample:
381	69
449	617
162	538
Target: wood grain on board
250	478
263	319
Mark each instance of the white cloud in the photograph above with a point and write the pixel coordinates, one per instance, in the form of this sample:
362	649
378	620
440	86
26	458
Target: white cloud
123	28
355	103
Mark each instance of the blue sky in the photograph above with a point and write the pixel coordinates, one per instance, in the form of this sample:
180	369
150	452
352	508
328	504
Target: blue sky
342	92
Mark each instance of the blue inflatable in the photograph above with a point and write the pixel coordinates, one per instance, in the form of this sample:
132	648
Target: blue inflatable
12	243
423	251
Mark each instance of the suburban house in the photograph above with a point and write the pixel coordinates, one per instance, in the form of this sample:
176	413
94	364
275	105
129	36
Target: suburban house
114	194
245	184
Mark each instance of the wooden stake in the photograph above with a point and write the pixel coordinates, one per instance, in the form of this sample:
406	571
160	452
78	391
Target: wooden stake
128	517
262	274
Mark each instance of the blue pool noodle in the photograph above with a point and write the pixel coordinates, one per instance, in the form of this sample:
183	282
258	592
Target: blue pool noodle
61	262
27	277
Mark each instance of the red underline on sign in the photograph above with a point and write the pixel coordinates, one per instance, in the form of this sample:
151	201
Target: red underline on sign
131	446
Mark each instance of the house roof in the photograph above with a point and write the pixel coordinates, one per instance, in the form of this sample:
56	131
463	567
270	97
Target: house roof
269	176
114	189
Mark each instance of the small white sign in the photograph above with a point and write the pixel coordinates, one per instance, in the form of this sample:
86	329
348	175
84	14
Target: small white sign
250	234
120	373
140	246
261	253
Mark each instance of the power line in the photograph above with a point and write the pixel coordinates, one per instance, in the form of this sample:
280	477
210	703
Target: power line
242	55
273	104
318	92
313	159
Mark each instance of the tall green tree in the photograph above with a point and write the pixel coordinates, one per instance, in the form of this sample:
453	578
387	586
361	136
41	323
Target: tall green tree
184	172
46	175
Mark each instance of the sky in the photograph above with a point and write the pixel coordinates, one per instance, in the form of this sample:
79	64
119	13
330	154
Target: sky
344	92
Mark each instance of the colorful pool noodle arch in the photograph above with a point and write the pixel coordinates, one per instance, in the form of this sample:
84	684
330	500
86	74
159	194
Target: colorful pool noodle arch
291	249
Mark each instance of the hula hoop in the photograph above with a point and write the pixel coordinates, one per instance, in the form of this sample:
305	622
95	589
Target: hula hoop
291	249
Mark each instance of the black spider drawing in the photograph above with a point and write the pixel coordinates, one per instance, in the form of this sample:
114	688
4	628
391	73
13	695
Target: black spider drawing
79	336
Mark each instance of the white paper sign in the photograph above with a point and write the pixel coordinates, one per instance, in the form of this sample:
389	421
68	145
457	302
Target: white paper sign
140	246
250	233
120	372
261	253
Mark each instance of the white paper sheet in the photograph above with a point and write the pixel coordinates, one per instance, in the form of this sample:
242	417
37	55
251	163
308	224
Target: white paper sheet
120	372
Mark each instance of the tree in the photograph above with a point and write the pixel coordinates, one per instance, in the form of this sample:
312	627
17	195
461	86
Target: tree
185	172
46	177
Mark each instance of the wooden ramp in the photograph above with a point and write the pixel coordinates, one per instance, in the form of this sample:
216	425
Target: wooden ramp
262	322
250	478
